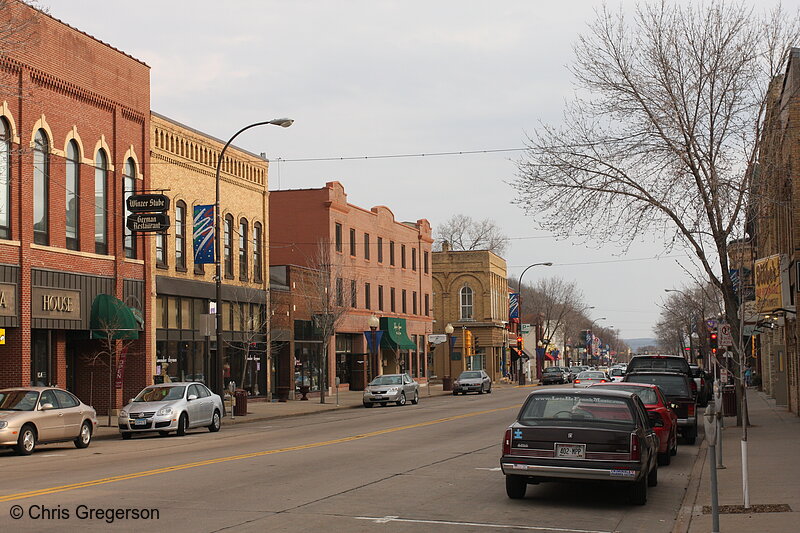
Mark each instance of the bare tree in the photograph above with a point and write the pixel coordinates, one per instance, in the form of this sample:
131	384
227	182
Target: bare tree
250	323
463	233
662	137
115	343
18	31
328	300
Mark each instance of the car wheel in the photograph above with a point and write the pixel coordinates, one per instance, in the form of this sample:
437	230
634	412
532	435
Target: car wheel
183	424
638	492
85	436
481	390
127	435
216	422
490	390
463	393
415	401
664	459
455	393
402	400
516	487
674	450
652	477
368	405
26	442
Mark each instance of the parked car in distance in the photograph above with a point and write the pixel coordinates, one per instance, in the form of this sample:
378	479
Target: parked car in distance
30	416
398	388
553	374
676	388
586	435
587	378
705	385
616	374
665	425
473	381
168	407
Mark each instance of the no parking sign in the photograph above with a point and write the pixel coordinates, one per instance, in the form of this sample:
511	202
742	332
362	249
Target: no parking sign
725	337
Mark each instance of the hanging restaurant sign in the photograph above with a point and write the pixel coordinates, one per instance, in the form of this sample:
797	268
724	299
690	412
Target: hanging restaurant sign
148	222
147	203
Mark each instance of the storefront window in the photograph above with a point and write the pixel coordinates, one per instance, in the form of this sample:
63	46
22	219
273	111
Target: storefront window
172	313
307	372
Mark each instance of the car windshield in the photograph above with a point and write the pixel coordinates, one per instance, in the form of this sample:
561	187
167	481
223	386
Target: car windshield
591	375
552	370
543	409
647	395
670	364
617	372
470	375
18	400
670	385
386	380
160	394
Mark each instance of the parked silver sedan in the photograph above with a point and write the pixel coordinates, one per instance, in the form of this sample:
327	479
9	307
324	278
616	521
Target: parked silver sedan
171	407
472	381
40	415
398	388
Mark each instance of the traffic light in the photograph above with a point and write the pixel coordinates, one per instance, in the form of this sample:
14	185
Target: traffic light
475	344
713	341
519	342
467	342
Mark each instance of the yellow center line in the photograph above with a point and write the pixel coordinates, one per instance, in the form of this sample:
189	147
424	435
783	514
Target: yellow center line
175	468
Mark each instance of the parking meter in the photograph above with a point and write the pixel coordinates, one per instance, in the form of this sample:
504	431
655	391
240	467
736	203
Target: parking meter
709	421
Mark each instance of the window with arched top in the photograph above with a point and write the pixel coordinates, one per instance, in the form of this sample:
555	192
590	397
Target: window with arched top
466	297
72	197
5	179
41	188
243	253
128	190
100	188
257	253
180	236
227	233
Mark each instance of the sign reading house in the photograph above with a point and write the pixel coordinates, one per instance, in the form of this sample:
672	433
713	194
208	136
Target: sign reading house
148	222
147	203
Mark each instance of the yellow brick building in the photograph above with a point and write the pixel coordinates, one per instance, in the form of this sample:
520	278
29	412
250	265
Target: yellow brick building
183	165
470	291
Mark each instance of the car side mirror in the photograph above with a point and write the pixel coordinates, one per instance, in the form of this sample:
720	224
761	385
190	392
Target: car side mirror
673	406
131	400
46	406
192	397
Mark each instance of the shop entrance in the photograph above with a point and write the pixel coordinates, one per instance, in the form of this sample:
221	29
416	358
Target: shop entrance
41	358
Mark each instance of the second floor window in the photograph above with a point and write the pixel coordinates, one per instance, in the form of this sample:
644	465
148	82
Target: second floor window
100	185
403	302
352	242
228	246
402	256
380	297
340	292
380	249
5	180
243	253
427	305
257	275
72	197
466	302
392	300
367	302
353	294
41	188
161	249
338	237
129	189
414	302
180	236
366	246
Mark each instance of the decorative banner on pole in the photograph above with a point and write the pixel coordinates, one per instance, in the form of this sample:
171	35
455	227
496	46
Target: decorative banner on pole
121	368
513	306
203	235
378	336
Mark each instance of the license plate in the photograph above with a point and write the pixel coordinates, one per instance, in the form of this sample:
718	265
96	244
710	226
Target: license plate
140	422
378	398
570	451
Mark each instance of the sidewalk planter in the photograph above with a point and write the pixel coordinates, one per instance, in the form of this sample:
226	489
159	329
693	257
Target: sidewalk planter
240	407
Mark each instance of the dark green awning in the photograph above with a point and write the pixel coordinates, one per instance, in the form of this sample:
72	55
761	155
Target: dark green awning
111	317
394	334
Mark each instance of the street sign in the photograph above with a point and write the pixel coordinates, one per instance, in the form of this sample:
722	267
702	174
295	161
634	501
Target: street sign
2	335
147	203
725	337
437	338
148	222
525	328
712	323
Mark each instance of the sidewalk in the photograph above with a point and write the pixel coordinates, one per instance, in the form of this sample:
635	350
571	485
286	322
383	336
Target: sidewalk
263	410
774	473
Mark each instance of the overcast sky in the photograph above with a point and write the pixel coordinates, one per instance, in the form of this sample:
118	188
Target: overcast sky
373	78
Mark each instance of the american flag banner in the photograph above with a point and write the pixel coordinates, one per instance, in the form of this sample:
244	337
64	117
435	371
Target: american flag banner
203	234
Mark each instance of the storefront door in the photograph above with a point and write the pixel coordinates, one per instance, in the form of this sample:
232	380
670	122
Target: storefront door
40	358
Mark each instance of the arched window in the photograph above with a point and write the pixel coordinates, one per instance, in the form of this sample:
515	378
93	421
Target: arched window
161	250
228	246
128	190
243	253
5	180
100	184
72	221
41	188
466	302
180	236
257	272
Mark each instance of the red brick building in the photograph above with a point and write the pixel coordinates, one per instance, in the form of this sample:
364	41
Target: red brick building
377	267
74	141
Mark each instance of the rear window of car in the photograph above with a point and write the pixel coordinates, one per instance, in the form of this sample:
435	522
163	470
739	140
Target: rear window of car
646	394
552	370
576	410
590	374
617	372
670	385
669	364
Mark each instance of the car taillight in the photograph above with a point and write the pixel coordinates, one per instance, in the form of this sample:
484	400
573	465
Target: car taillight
576	381
602	381
507	442
691	409
694	386
636	451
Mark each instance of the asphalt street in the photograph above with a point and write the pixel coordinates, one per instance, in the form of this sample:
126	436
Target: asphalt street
413	468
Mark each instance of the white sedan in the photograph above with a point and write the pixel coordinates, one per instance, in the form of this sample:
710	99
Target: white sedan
588	378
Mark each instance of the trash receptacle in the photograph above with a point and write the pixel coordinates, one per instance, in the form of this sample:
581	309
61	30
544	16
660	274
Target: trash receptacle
240	408
729	407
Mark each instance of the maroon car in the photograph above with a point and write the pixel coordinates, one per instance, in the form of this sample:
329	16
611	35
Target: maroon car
588	434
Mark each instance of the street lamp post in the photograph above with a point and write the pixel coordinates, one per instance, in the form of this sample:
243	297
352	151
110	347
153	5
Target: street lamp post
374	322
447	380
218	382
519	303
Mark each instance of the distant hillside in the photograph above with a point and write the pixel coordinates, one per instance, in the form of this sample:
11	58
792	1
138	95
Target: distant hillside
635	344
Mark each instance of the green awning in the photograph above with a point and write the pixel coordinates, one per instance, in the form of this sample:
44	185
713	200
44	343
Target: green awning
111	317
394	334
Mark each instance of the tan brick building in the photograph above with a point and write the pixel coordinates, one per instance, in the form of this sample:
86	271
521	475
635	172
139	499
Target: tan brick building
184	162
471	293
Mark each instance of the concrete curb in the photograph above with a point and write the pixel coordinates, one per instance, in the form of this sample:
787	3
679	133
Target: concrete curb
683	520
